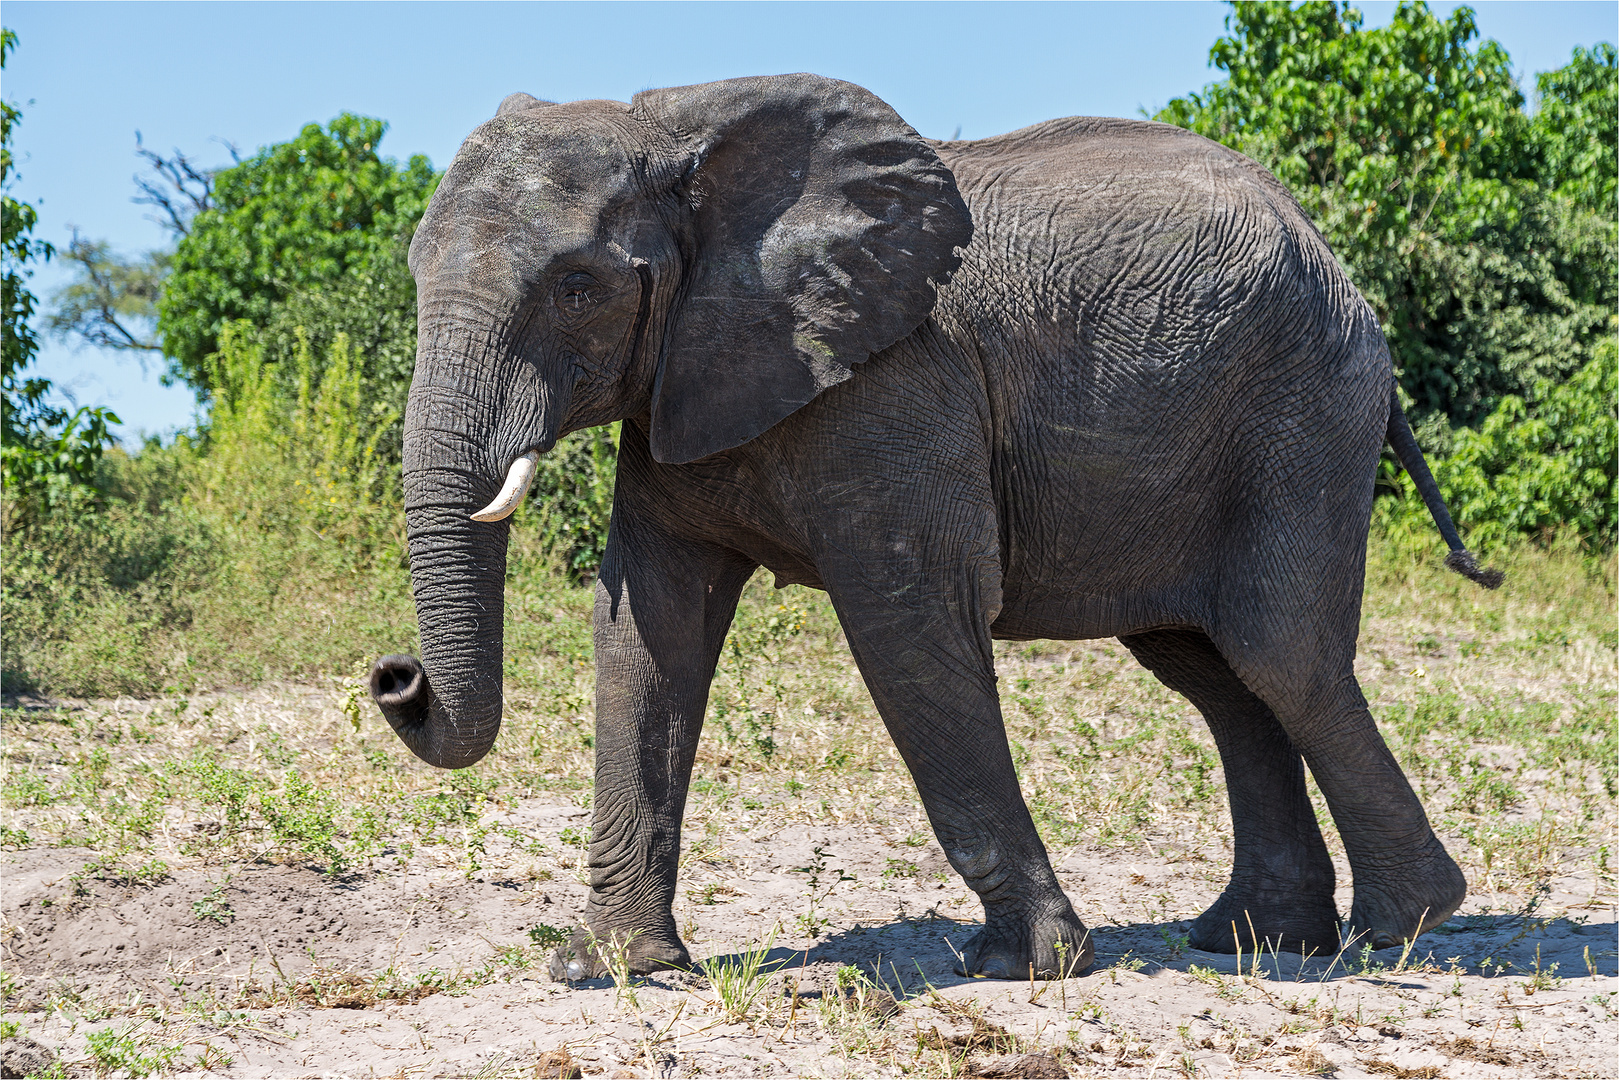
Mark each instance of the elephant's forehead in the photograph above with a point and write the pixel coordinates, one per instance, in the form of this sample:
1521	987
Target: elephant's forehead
548	183
564	156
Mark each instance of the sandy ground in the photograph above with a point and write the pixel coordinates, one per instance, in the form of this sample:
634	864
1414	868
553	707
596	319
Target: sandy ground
276	984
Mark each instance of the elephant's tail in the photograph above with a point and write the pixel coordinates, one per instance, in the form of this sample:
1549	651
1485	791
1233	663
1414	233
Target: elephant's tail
1405	448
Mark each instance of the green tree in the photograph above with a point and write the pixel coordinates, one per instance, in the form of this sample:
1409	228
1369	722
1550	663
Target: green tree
1480	236
24	398
321	214
1577	127
44	450
113	300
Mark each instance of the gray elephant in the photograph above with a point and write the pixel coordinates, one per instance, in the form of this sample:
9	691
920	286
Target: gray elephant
1093	378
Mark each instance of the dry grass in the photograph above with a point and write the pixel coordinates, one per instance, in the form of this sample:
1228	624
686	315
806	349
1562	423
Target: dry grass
1499	706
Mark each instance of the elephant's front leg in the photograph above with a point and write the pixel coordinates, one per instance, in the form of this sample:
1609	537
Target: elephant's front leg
663	606
923	646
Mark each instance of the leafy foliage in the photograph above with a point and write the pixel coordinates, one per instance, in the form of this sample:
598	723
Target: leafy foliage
45	452
1483	238
252	552
321	435
299	217
373	307
1537	471
52	460
23	398
271	545
1577	128
573	497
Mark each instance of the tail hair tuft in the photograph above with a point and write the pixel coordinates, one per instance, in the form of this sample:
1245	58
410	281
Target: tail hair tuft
1465	563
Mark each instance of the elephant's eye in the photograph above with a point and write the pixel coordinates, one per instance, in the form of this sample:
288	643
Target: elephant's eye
577	292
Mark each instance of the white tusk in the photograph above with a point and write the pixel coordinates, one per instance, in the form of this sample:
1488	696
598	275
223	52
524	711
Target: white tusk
520	476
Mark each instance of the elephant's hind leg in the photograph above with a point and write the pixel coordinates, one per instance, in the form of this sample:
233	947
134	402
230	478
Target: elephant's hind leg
1282	878
1405	881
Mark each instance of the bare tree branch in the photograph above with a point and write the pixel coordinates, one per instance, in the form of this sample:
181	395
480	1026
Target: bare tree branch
181	190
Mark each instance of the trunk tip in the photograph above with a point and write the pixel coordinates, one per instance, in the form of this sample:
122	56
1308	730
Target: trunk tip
399	687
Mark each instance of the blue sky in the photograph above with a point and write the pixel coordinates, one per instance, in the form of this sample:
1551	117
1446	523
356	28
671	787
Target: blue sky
187	74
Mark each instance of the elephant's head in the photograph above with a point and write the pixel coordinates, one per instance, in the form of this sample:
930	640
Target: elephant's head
709	258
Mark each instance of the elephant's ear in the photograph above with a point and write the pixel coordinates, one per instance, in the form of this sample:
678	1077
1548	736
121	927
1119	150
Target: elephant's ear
821	226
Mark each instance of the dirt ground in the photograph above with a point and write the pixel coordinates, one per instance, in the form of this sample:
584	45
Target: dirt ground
260	884
1487	995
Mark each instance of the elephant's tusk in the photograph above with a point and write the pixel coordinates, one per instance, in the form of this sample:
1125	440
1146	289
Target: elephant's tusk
518	478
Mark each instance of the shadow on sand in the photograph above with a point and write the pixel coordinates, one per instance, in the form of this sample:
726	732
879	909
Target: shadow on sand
910	956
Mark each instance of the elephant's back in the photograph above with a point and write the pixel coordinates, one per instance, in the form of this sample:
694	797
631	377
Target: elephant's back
1098	215
1121	261
1095	155
1165	319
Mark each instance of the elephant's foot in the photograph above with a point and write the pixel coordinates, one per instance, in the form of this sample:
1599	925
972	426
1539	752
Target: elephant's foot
1054	945
1265	920
595	955
1394	908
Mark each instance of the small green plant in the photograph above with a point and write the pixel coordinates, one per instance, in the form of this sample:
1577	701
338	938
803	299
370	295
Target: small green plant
615	953
472	860
24	787
119	1050
1128	962
213	906
1175	943
356	693
1544	978
232	790
741	981
302	820
898	868
517	956
213	1059
711	893
821	884
547	937
109	868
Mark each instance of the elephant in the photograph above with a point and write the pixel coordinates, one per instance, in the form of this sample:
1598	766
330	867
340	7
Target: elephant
1093	378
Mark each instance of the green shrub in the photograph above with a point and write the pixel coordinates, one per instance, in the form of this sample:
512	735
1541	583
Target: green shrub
297	217
572	499
1531	470
271	545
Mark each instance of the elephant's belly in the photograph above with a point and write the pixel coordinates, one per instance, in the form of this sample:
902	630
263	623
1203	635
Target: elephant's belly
1072	615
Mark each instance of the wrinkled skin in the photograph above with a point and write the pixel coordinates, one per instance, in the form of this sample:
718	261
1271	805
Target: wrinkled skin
1093	378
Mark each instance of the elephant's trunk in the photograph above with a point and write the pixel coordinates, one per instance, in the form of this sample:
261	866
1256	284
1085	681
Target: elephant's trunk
447	707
